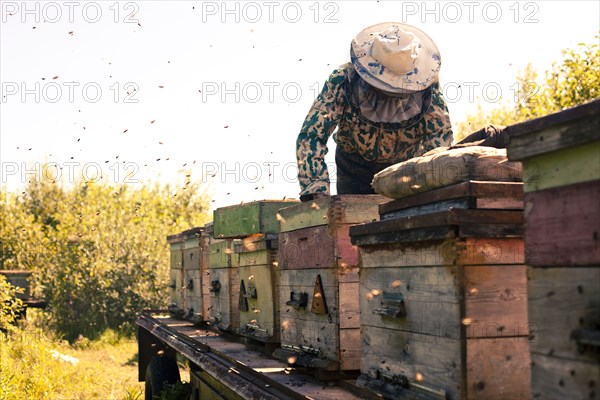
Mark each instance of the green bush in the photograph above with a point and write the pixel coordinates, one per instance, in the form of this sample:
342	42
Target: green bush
10	305
98	251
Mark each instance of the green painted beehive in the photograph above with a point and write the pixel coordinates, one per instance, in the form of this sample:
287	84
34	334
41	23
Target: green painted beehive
258	217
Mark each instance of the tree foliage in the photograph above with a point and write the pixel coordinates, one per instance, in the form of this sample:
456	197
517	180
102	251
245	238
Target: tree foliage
572	81
98	251
10	305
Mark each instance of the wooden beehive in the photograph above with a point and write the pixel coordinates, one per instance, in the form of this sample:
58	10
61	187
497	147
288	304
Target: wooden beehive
193	271
241	220
259	287
176	274
443	296
19	279
561	163
319	281
223	285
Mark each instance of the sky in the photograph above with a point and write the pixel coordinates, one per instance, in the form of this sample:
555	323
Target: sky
137	91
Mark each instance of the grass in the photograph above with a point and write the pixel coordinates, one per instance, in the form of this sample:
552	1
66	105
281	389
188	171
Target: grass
36	365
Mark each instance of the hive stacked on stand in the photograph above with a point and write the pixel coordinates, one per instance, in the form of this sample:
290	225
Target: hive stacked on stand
561	160
193	272
259	285
443	294
250	273
187	273
223	283
176	276
319	281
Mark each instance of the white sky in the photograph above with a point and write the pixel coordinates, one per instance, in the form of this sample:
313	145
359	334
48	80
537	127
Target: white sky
237	80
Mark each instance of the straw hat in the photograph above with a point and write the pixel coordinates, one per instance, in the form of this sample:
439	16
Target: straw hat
395	57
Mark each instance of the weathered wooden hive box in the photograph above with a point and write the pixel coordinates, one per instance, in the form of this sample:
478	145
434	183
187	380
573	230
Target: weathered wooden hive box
443	295
223	283
193	271
251	273
318	284
561	163
259	287
176	275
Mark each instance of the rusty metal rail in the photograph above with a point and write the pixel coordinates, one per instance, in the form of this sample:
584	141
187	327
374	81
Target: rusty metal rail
246	381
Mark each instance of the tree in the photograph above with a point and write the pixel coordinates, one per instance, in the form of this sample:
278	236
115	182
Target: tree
98	251
573	81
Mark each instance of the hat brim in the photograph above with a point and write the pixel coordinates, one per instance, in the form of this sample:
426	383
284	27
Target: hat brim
427	64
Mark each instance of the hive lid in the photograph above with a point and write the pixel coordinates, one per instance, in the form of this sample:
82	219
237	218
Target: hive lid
572	127
440	225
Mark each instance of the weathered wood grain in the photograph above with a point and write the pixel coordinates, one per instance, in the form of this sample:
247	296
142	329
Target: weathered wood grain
404	236
349	315
495	301
498	369
493	369
311	247
561	130
431	299
192	257
462	195
438	206
443	218
322	337
436	359
563	225
564	167
193	292
345	253
562	300
304	281
428	253
176	251
331	210
263	311
349	355
176	287
490	251
221	254
205	275
328	333
491	230
556	378
247	219
320	247
499	203
259	257
224	312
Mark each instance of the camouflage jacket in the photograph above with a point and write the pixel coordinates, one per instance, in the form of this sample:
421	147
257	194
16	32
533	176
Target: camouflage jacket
379	142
